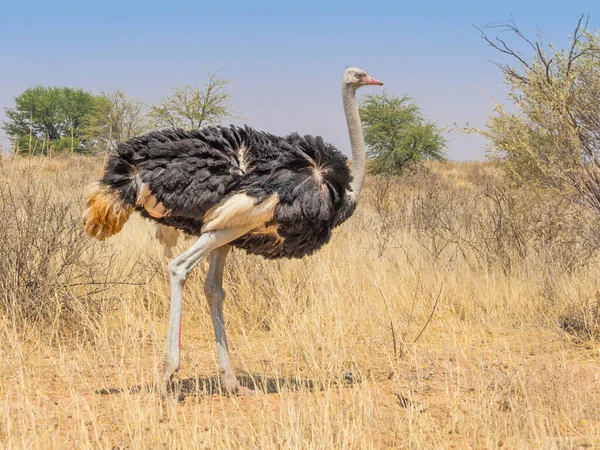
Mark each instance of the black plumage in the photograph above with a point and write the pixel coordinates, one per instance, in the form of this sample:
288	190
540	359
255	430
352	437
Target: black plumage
191	171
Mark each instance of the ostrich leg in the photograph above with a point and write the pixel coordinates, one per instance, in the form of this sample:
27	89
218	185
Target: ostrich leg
213	288
179	269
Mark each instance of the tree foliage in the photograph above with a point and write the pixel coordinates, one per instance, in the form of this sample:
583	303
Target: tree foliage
48	117
114	118
552	138
397	135
51	119
192	107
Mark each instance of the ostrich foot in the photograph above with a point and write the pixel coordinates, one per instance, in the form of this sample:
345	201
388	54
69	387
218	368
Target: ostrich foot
247	392
233	387
164	388
165	385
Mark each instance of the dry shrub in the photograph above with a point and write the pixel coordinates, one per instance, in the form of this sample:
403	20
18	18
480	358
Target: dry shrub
49	270
482	218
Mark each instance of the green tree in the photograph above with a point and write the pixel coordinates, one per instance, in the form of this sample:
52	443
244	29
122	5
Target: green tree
551	139
397	135
192	107
114	118
47	117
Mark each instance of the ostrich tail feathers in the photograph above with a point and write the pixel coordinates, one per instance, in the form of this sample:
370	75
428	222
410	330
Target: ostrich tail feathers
105	213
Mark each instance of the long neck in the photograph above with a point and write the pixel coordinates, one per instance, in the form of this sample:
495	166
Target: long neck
356	139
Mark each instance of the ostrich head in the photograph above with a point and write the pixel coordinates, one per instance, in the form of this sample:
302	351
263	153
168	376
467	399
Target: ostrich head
355	77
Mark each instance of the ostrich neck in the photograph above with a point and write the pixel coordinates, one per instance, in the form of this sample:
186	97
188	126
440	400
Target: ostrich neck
357	142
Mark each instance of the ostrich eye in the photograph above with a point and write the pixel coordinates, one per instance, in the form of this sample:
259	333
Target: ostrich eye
361	75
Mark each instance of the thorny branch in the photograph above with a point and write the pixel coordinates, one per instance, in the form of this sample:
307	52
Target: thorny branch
557	97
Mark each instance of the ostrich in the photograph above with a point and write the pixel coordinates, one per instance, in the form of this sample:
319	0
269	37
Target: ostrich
278	197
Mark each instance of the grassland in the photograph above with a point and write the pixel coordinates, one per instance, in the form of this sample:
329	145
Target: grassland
450	312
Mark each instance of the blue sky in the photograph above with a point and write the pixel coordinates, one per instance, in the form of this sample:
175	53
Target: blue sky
284	59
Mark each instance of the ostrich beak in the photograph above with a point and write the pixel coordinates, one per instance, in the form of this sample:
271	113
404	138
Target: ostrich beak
371	81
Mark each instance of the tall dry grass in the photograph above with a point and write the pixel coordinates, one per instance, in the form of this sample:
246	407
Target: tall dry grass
450	312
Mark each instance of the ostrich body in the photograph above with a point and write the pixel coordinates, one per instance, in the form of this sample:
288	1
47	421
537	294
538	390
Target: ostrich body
278	197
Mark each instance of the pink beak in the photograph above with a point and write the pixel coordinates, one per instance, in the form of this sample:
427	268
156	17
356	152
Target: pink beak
373	81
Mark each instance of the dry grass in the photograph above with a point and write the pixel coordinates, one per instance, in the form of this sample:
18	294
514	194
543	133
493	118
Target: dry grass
501	289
